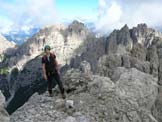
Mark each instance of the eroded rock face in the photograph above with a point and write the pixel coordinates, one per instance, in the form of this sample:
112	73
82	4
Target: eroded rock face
119	37
96	99
144	35
25	83
153	58
108	63
138	51
4	117
93	49
6	46
128	37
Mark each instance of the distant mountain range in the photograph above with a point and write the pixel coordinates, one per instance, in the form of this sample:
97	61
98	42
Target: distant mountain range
21	35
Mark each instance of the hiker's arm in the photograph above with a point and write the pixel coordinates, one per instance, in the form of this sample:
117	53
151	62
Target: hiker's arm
44	71
57	65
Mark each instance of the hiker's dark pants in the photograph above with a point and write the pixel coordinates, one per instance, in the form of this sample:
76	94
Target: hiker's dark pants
50	80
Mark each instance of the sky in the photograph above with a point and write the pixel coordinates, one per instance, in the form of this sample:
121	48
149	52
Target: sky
106	15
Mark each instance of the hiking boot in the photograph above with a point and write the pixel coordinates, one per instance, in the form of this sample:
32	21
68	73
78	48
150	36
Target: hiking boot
63	96
51	95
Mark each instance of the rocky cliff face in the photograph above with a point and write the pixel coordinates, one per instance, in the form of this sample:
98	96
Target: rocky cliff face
144	35
5	46
4	117
139	47
128	37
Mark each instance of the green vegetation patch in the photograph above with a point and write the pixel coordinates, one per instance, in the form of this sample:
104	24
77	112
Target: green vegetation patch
4	70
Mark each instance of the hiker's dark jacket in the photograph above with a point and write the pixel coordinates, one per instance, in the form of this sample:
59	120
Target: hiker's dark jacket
50	63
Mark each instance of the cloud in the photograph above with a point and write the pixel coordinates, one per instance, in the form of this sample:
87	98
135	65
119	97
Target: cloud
29	12
109	17
5	25
102	4
113	14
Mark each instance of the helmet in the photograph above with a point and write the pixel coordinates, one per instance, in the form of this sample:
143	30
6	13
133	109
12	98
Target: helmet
47	47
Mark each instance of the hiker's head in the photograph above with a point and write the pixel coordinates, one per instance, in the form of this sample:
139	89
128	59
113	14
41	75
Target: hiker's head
47	49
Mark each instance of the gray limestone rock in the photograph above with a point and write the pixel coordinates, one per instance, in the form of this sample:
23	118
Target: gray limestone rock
4	116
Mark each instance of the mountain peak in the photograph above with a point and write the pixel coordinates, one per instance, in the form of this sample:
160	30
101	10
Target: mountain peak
142	25
76	22
77	27
125	27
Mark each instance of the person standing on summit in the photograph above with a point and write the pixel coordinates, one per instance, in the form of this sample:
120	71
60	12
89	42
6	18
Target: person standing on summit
51	71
